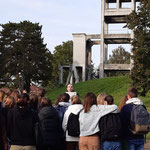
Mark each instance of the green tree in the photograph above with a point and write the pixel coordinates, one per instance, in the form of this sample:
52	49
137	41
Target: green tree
25	58
139	22
119	56
63	55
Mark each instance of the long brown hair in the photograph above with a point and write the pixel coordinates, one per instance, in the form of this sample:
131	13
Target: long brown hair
123	102
89	100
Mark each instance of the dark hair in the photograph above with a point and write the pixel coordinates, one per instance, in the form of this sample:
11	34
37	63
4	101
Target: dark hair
41	92
33	101
132	92
58	100
45	102
89	100
109	99
23	100
65	97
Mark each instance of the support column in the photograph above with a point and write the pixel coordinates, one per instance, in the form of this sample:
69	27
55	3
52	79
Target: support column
61	74
133	4
101	69
79	55
118	5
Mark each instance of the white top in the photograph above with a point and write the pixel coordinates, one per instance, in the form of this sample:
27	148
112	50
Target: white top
89	121
75	109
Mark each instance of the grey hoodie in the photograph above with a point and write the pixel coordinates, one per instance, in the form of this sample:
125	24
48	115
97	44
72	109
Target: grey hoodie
89	121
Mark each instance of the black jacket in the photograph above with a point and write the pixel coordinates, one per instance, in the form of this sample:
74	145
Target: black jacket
50	124
20	126
125	115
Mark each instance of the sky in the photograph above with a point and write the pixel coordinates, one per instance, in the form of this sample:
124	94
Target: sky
59	19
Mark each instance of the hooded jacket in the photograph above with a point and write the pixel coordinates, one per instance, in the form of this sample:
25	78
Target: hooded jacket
75	109
125	115
89	121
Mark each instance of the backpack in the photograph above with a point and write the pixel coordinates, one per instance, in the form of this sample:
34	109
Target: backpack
73	125
139	121
110	127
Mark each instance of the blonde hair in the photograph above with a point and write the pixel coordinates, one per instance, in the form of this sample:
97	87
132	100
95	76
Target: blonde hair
100	98
9	102
2	94
76	100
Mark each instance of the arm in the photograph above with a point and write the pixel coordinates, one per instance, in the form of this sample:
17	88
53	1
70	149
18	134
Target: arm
106	109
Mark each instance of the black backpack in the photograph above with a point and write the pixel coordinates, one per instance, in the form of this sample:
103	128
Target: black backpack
73	125
140	120
110	127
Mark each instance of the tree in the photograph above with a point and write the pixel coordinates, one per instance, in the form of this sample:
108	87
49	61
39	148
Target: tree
25	58
119	56
63	55
139	22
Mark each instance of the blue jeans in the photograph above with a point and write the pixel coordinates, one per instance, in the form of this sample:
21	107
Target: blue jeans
111	145
136	144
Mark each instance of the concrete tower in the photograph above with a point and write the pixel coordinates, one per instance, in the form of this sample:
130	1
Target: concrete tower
113	15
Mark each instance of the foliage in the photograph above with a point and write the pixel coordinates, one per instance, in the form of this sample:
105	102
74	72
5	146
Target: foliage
62	56
25	58
119	56
139	22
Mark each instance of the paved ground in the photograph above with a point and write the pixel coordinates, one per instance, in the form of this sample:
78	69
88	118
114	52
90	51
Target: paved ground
147	146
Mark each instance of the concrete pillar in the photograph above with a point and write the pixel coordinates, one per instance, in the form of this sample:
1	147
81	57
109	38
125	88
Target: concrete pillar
83	73
61	74
101	69
133	4
79	54
106	52
118	5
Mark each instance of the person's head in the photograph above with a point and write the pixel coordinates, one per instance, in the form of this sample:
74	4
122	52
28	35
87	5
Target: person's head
45	102
16	95
89	100
9	102
2	94
70	88
75	100
109	100
33	101
132	93
65	97
100	99
123	102
23	100
58	99
41	92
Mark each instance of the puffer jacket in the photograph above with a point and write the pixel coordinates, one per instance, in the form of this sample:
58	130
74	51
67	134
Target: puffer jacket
50	124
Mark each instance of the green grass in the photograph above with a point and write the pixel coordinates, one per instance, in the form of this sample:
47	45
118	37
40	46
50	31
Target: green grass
115	86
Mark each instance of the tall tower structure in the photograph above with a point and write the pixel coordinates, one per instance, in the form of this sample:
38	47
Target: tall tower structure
82	43
115	15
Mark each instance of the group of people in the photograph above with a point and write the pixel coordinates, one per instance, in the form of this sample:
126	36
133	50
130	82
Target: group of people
102	125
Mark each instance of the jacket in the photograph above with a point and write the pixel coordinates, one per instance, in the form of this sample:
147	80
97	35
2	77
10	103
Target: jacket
50	125
20	126
75	109
125	118
89	121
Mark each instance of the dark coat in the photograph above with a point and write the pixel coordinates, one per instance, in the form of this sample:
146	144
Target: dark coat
50	124
125	115
20	126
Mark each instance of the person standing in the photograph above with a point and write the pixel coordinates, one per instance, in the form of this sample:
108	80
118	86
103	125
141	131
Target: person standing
89	122
20	125
135	141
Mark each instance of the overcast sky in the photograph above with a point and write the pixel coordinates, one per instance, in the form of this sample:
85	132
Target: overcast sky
59	18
